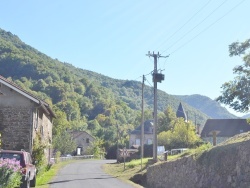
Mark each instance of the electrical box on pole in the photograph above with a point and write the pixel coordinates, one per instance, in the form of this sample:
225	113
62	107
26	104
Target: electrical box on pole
157	77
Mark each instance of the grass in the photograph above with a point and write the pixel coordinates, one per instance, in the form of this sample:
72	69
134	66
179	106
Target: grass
134	167
43	180
131	168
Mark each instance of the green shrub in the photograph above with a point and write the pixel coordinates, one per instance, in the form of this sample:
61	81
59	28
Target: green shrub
38	154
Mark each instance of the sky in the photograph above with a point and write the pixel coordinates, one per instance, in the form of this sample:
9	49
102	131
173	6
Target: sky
112	38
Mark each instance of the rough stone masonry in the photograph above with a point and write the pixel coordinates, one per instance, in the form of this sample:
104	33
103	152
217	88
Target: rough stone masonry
223	166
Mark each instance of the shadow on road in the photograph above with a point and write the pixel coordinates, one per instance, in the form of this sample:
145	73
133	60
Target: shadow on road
63	181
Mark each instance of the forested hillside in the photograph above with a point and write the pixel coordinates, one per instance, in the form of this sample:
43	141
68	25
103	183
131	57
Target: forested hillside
82	99
206	105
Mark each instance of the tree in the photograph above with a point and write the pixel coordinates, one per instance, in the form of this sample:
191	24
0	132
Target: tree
60	123
182	134
64	143
96	148
236	93
166	120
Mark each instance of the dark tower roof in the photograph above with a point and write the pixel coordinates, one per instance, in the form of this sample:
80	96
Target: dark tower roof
181	112
148	128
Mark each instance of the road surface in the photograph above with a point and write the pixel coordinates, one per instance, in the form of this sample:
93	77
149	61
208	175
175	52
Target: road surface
86	173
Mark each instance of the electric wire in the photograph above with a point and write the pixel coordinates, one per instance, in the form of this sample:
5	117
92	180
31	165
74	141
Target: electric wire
193	16
207	27
210	14
174	51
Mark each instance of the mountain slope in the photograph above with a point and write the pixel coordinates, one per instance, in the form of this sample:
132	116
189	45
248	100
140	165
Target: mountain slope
82	93
206	105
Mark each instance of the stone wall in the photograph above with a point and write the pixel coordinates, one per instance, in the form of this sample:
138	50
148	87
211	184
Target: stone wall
148	139
223	166
15	128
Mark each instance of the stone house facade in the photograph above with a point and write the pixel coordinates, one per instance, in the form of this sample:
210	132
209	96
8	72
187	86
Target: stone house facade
83	141
22	117
135	135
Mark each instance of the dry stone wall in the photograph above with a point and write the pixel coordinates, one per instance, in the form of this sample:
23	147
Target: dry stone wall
225	166
15	128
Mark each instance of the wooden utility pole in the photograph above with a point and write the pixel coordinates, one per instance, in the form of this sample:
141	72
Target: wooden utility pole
142	121
157	77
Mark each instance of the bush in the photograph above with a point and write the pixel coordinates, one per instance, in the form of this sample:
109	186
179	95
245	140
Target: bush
38	154
10	173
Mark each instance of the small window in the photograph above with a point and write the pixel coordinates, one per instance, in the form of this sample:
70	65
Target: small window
87	140
41	130
137	142
150	141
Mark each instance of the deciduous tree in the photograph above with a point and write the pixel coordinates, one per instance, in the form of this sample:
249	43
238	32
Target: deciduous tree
236	93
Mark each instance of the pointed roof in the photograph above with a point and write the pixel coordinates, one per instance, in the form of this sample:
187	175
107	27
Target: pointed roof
45	106
181	112
148	128
75	134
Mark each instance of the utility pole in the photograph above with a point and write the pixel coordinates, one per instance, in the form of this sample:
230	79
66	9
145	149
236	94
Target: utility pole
157	77
117	145
142	121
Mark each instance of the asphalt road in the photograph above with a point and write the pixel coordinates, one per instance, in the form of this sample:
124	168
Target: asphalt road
87	174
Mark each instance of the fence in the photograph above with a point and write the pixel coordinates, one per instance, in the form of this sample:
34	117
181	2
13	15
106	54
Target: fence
80	157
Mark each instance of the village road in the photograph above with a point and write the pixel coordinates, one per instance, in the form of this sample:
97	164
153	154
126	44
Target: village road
87	174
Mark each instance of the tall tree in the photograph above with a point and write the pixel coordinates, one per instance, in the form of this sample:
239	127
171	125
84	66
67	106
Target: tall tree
236	93
166	120
181	135
64	143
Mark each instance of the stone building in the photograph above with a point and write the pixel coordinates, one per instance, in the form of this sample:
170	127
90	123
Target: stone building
83	141
135	135
22	117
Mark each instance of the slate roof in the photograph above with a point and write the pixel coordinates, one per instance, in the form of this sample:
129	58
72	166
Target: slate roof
225	127
148	128
45	106
181	112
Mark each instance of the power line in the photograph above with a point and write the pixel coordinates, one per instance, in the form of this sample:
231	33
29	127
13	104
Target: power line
207	27
211	13
185	23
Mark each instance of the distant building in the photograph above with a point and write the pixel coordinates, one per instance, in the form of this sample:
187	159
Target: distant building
83	141
135	135
216	131
180	113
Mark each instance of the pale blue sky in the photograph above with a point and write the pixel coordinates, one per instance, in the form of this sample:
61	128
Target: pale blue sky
111	37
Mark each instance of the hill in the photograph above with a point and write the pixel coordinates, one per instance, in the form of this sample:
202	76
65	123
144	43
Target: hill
36	71
86	100
206	105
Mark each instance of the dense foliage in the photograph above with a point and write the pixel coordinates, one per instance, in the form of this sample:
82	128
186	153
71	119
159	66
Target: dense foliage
206	105
175	132
82	100
236	92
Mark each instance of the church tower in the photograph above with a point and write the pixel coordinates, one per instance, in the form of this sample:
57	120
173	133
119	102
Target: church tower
181	112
